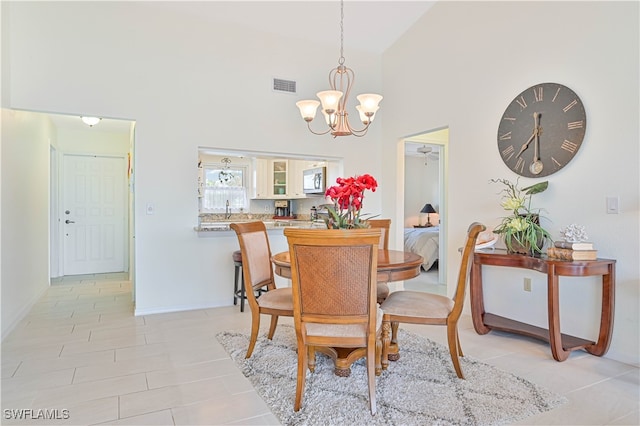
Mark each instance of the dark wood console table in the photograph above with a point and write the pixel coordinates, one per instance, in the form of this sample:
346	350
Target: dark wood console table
561	344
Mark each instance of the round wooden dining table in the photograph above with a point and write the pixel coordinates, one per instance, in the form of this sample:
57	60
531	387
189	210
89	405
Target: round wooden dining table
393	265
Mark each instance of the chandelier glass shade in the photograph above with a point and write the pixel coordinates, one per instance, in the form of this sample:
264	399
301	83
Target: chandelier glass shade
334	101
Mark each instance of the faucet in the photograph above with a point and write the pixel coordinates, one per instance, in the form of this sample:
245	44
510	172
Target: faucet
227	212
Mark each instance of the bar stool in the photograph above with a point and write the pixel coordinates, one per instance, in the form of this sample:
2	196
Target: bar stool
238	280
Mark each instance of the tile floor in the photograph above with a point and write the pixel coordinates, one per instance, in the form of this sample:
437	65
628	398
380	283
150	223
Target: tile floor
80	351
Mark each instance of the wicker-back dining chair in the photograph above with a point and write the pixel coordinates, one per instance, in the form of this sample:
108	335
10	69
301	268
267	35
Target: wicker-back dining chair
258	277
416	307
333	276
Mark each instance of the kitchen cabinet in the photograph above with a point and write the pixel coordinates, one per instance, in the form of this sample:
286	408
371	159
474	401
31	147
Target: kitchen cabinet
295	177
261	179
280	178
271	178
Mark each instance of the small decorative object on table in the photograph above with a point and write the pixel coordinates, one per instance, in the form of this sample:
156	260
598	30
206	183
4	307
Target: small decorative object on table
573	233
521	231
347	197
574	245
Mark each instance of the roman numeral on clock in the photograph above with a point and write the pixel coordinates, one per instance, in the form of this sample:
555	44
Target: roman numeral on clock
506	136
571	105
558	165
575	125
537	93
508	152
520	164
569	146
521	102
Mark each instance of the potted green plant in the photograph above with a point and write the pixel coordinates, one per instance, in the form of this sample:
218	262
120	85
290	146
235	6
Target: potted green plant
521	230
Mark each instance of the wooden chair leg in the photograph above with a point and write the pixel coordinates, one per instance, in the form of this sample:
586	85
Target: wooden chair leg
452	339
386	341
371	368
394	352
255	328
312	358
459	346
272	326
378	358
302	373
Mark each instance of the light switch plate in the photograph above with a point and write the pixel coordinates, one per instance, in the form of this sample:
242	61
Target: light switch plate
150	208
613	205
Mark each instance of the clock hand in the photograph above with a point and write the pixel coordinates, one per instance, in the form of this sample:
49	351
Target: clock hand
526	144
534	134
537	166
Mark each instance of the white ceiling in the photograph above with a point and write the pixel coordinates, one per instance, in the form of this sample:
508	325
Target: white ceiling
368	25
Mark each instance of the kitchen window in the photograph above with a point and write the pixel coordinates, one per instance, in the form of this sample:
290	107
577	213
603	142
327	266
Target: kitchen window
221	184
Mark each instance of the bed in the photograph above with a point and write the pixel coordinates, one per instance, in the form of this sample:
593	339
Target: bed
425	242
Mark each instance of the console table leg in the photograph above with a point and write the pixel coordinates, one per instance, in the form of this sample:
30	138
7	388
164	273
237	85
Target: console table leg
606	315
477	299
553	301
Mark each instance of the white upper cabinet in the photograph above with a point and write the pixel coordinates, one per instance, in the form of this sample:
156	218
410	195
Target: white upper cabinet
279	178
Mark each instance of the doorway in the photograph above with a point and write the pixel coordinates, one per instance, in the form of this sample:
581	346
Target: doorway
90	230
424	191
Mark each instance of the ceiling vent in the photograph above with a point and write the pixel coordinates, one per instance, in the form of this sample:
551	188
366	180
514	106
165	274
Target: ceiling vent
284	86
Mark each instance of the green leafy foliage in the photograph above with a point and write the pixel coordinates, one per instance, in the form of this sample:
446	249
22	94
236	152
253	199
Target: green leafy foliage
522	227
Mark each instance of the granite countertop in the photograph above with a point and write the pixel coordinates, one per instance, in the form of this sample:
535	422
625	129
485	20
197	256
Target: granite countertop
216	224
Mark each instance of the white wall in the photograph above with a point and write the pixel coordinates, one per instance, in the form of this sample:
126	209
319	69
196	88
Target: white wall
486	56
25	212
186	85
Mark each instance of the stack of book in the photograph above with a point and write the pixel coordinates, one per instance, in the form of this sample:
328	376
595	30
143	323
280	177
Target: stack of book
566	250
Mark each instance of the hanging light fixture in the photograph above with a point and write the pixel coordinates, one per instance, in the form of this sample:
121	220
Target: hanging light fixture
334	101
225	176
90	121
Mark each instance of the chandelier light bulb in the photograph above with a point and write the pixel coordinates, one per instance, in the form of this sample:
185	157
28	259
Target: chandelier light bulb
369	102
330	100
366	116
308	109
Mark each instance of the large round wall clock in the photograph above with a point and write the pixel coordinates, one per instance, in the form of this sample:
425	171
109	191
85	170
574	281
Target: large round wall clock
541	130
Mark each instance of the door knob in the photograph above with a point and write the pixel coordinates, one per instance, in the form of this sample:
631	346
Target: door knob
68	221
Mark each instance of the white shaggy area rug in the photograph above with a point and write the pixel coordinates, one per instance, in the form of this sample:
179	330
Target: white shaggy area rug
421	388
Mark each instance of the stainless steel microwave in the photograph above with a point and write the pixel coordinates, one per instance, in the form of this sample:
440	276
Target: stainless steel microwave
314	180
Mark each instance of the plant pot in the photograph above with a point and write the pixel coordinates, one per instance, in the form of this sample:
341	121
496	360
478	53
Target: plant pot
526	249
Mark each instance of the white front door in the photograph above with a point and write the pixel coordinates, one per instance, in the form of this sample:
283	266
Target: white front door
93	214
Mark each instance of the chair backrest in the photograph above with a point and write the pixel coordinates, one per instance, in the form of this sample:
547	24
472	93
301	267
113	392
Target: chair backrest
333	276
384	225
256	257
465	267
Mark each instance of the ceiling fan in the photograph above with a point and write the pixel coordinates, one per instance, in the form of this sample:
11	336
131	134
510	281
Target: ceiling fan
429	153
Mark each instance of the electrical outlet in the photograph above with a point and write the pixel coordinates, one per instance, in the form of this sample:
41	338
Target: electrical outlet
267	209
527	284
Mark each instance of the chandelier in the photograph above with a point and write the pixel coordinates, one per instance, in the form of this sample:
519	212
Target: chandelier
334	101
225	176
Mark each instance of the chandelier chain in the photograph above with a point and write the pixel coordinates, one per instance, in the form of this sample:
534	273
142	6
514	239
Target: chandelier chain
341	60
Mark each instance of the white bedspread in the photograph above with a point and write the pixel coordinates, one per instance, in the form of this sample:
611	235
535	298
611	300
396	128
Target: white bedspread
423	241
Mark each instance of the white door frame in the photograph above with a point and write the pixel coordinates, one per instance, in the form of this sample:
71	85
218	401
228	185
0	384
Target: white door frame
442	201
54	221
